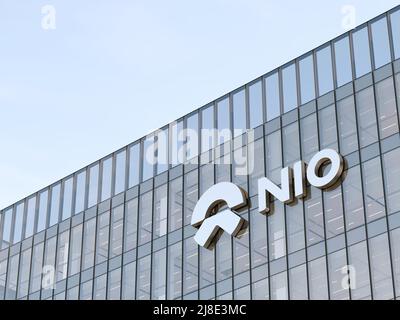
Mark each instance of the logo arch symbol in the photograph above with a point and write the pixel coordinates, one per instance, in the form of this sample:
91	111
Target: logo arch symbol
227	220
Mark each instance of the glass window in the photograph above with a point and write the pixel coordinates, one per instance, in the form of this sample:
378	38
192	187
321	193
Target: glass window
387	110
333	209
395	246
289	88
256	104
277	232
241	251
224	257
131	222
279	286
190	265
86	290
80	180
291	144
327	128
117	225
120	166
191	194
145	217
373	189
395	23
367	127
148	158
134	165
103	232
207	268
343	63
309	137
240	167
273	156
207	129
143	278
12	278
175	204
174	271
318	279
160	212
307	84
89	242
324	65
206	177
362	56
192	136
106	179
30	217
24	270
159	275
67	198
239	113
36	272
347	126
260	290
3	273
392	180
295	227
223	122
380	39
18	223
114	285
272	94
337	267
256	164
75	250
93	185
42	214
129	281
177	147
314	216
353	198
62	255
49	265
162	151
55	204
381	274
298	283
359	272
258	238
100	287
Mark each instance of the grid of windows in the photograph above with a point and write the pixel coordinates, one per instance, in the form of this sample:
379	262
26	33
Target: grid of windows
120	228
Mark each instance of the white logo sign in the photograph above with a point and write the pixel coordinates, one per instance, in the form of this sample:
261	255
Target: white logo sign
293	185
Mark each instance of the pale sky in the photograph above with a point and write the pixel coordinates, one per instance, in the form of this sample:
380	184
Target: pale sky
112	71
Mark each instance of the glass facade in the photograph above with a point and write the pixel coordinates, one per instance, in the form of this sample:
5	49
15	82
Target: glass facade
120	228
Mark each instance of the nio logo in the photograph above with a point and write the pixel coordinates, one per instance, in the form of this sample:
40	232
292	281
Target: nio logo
293	185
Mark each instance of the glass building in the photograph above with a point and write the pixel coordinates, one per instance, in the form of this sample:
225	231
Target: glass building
120	227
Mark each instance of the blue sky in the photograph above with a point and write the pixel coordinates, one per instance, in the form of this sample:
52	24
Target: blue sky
112	71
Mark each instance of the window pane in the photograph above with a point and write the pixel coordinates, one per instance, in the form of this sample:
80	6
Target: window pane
380	38
279	287
207	268
177	139
159	275
131	219
36	272
276	232
24	270
324	65
175	205
289	88
191	194
192	136
333	210
12	278
309	137
367	127
86	290
100	286
117	219
239	113
224	257
174	271
255	104
67	198
114	285
134	157
392	180
274	156
353	198
55	204
162	150
30	217
337	266
93	185
18	224
386	105
295	227
298	283
382	286
256	158
103	232
143	278
120	165
62	255
75	251
291	144
223	123
148	158
160	212
89	242
42	215
373	189
395	245
3	273
106	179
314	216
190	266
343	64
272	93
80	192
327	127
145	217
307	85
358	259
347	126
129	281
241	251
318	281
362	56
258	236
207	129
395	22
